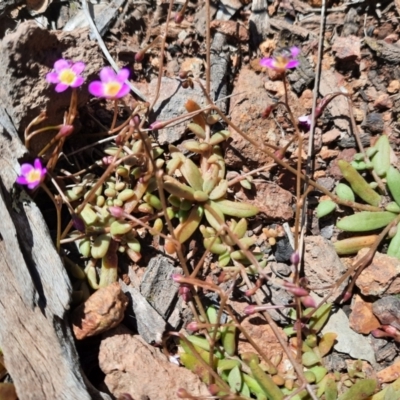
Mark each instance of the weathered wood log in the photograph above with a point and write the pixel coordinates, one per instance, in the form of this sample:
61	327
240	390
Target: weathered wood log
35	290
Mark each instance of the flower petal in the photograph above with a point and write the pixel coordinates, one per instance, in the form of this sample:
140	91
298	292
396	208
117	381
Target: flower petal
52	77
78	67
78	81
21	180
61	87
107	74
61	64
96	88
123	91
32	185
37	164
295	51
292	64
123	75
267	62
26	169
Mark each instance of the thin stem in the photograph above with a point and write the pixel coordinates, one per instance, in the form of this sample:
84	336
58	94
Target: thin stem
114	121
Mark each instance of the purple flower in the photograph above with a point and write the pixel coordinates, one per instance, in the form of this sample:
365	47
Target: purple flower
112	85
32	175
286	60
66	74
305	122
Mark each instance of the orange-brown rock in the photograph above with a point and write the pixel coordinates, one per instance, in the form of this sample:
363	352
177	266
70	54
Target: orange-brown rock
382	276
362	319
103	310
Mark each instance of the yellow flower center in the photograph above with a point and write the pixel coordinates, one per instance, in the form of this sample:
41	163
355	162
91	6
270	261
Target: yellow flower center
281	62
112	88
67	76
33	176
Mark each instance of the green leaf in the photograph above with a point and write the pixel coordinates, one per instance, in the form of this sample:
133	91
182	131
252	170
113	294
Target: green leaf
235	209
309	358
361	390
354	244
393	182
235	379
192	174
359	184
325	207
394	246
381	160
344	192
366	221
320	317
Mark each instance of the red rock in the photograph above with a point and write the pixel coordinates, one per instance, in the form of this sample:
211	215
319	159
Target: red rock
362	319
383	102
245	112
326	153
132	366
330	136
272	200
390	373
263	336
231	28
347	49
382	276
103	310
347	155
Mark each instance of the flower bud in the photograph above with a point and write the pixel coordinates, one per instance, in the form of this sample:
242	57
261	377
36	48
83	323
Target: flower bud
249	310
267	112
295	258
177	277
296	290
308	302
178	18
192	326
377	333
116	212
155	126
347	297
139	56
78	223
185	292
65	130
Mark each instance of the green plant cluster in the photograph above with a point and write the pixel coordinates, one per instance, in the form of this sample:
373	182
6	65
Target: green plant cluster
196	188
380	167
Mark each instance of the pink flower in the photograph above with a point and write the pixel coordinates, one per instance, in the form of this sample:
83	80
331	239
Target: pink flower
66	75
286	60
32	175
112	85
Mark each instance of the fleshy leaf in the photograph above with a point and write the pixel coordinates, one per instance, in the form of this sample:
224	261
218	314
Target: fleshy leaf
236	209
366	221
325	207
354	244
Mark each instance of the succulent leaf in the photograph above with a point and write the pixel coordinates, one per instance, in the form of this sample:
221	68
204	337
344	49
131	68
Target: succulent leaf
393	182
344	192
186	229
365	221
381	160
235	209
354	244
325	207
359	184
220	190
192	174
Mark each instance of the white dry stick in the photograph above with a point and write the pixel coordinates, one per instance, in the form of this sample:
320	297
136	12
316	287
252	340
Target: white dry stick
103	47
